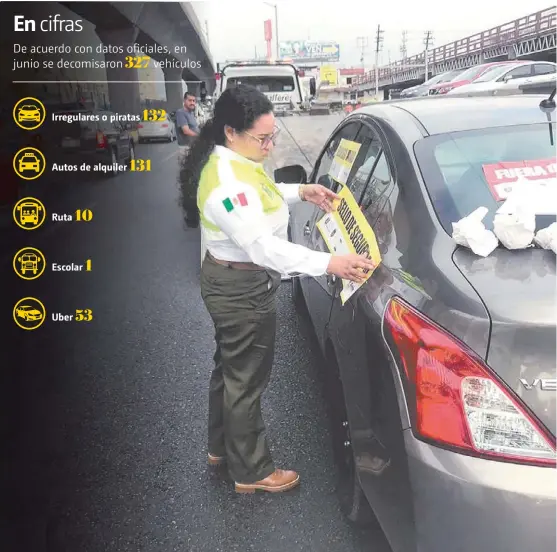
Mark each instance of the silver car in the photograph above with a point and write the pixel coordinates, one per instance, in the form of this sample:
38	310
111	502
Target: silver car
440	370
157	130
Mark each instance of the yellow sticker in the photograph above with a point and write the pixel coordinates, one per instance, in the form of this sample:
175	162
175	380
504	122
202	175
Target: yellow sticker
343	161
345	231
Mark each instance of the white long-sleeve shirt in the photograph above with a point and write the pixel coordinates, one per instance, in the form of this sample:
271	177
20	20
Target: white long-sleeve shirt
244	217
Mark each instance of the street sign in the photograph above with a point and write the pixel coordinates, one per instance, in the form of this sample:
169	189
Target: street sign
305	50
329	74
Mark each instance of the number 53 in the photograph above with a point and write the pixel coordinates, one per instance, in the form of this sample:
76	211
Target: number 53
83	315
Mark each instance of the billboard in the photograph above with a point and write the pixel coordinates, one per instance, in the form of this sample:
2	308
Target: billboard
329	73
305	50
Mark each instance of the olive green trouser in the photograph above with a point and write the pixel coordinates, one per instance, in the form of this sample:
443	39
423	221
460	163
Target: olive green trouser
242	306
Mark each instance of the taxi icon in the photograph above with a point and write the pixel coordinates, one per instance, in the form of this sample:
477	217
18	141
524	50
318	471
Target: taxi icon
29	112
28	313
29	162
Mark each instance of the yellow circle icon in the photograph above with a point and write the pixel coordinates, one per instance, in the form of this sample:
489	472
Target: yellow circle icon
29	113
29	313
29	263
29	213
29	161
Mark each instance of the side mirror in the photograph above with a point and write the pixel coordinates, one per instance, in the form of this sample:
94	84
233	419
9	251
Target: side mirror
293	174
312	86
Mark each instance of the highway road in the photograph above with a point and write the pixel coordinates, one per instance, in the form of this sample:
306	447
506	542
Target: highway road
104	424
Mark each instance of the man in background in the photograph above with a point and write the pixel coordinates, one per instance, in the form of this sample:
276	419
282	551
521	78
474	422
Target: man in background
187	127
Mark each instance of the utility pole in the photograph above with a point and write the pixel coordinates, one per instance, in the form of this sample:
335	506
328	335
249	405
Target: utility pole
276	31
362	43
378	46
403	47
427	40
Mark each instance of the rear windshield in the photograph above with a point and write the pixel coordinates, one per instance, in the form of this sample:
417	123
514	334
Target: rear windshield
264	84
466	170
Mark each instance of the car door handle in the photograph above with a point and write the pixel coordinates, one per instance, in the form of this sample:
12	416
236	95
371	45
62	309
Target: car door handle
307	230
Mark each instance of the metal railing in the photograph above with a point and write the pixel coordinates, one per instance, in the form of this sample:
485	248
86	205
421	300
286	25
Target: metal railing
524	28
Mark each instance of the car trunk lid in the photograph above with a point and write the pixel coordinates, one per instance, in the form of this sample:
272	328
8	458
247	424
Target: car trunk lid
519	292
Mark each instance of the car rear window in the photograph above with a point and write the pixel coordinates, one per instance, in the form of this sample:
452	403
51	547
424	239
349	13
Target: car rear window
466	170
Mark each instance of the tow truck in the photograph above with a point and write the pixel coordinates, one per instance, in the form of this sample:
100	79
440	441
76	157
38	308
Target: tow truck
279	81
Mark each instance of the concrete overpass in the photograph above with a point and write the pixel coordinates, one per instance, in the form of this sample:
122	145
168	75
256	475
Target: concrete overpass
529	37
156	25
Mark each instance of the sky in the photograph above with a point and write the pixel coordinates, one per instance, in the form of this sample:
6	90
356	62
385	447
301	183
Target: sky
328	21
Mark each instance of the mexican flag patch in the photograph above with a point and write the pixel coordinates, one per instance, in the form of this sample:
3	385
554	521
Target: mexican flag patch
238	200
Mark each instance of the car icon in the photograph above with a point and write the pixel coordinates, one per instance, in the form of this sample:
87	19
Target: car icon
28	313
29	162
29	113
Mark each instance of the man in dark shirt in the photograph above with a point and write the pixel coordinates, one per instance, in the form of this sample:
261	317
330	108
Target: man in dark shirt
186	124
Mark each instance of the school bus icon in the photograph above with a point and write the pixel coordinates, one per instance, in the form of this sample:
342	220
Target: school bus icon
29	313
29	213
29	263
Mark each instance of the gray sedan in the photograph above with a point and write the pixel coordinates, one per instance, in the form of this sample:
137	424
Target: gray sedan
441	368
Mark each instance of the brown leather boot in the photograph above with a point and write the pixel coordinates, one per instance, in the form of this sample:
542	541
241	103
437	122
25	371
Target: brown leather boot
277	482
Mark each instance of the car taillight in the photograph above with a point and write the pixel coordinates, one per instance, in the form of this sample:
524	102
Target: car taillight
101	140
458	401
164	125
139	125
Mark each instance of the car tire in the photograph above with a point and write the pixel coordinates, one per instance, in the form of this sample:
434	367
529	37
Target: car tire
297	293
132	155
352	500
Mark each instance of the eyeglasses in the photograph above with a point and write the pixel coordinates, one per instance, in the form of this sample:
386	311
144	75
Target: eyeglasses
267	140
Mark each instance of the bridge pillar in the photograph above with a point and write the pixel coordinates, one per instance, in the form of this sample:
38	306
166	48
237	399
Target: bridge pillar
173	87
193	86
124	96
511	53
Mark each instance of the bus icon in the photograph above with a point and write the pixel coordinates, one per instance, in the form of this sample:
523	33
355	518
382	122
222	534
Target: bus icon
29	213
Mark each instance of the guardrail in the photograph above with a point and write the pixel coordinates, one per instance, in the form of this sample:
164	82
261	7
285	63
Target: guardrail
515	31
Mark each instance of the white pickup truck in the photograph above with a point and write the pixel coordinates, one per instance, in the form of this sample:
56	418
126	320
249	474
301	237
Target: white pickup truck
278	81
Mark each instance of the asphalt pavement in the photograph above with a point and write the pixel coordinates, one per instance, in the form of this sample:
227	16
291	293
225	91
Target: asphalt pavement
104	425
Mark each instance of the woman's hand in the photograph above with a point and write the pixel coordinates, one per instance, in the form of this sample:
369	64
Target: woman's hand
350	266
319	195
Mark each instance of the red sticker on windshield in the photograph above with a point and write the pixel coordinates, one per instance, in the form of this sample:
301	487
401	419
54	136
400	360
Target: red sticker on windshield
502	176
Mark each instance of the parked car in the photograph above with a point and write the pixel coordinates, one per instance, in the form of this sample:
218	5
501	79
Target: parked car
95	141
467	77
500	80
165	129
440	369
423	89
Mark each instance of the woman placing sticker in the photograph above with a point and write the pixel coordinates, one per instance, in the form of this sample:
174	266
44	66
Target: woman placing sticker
244	218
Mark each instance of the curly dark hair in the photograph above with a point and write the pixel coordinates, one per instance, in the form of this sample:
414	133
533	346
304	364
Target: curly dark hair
237	107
